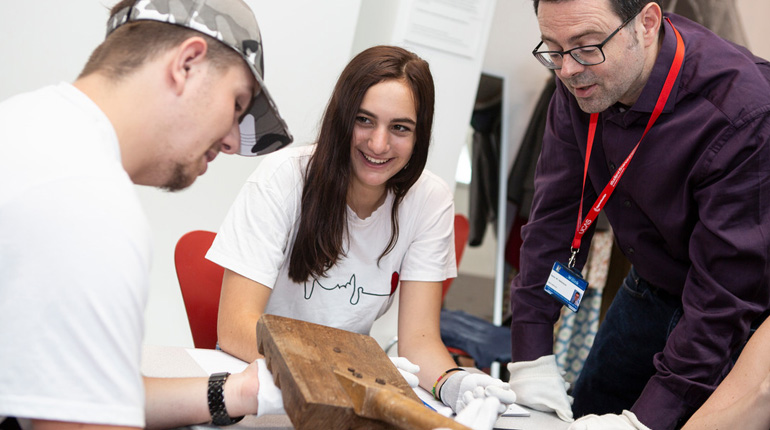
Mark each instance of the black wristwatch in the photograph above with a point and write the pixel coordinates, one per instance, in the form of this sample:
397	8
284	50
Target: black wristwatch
216	395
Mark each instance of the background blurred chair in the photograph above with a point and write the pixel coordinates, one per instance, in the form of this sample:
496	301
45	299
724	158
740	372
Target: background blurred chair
200	281
462	229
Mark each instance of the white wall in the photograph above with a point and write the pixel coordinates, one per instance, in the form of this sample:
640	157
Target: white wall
754	14
46	41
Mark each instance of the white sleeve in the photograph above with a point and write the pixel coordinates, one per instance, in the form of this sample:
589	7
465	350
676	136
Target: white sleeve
256	235
431	254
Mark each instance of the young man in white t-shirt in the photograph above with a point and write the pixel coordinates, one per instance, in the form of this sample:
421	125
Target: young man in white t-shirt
155	103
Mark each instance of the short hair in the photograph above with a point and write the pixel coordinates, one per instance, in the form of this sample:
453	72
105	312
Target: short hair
131	45
323	219
625	9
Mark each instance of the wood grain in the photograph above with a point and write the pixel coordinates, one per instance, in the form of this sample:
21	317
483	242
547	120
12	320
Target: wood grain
319	368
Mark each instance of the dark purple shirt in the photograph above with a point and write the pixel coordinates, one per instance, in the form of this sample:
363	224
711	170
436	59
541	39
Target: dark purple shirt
691	213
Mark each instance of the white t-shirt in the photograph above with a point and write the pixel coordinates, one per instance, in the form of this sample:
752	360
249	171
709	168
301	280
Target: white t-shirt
74	264
258	233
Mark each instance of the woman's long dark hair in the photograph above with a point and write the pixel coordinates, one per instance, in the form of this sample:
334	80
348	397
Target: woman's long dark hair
323	218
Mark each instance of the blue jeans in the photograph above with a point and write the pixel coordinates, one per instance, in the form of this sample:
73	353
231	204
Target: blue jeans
636	327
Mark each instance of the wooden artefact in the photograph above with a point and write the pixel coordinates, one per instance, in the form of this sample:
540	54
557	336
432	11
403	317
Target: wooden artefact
336	379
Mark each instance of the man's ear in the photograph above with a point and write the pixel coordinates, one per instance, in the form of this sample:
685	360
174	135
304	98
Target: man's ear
186	61
651	18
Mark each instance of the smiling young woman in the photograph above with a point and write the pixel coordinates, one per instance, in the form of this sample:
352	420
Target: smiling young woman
327	233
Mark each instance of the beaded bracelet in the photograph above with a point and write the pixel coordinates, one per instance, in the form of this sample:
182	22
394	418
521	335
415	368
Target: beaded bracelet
439	379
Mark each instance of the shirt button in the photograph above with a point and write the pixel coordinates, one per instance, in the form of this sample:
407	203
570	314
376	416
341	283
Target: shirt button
630	251
627	203
612	167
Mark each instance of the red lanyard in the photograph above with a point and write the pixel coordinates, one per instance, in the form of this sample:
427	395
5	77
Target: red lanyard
582	226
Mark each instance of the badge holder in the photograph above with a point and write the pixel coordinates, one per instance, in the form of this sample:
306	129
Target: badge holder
566	285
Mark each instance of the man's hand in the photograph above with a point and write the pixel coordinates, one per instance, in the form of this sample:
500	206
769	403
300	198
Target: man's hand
625	421
479	384
407	369
540	386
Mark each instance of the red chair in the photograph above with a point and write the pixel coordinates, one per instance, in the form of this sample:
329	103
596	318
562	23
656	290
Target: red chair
462	230
201	282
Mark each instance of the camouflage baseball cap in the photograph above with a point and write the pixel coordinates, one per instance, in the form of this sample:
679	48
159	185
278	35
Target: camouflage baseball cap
233	23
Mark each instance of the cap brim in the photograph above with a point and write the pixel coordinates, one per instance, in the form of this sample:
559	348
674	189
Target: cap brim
262	128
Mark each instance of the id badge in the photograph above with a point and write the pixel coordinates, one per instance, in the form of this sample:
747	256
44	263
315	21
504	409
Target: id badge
566	285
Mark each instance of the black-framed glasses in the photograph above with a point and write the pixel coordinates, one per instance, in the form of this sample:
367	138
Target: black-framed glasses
587	55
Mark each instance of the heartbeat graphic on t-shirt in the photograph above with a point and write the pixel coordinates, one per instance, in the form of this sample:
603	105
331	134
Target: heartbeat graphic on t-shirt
355	297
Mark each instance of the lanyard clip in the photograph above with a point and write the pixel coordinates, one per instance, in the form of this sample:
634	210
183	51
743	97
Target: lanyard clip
574	251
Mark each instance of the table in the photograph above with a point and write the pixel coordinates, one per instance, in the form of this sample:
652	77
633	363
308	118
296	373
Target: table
168	361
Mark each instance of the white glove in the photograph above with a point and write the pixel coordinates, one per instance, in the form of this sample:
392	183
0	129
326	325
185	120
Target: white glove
479	413
407	369
269	396
480	385
540	386
626	421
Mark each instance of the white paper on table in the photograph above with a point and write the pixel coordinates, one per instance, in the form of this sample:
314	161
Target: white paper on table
515	410
510	419
213	361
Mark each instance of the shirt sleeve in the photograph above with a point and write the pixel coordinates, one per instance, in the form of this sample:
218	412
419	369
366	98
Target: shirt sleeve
548	234
256	235
726	287
431	254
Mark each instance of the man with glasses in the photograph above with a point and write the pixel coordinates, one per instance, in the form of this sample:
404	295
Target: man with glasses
665	126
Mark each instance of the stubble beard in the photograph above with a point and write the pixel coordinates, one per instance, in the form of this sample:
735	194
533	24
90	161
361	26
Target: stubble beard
179	179
604	95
